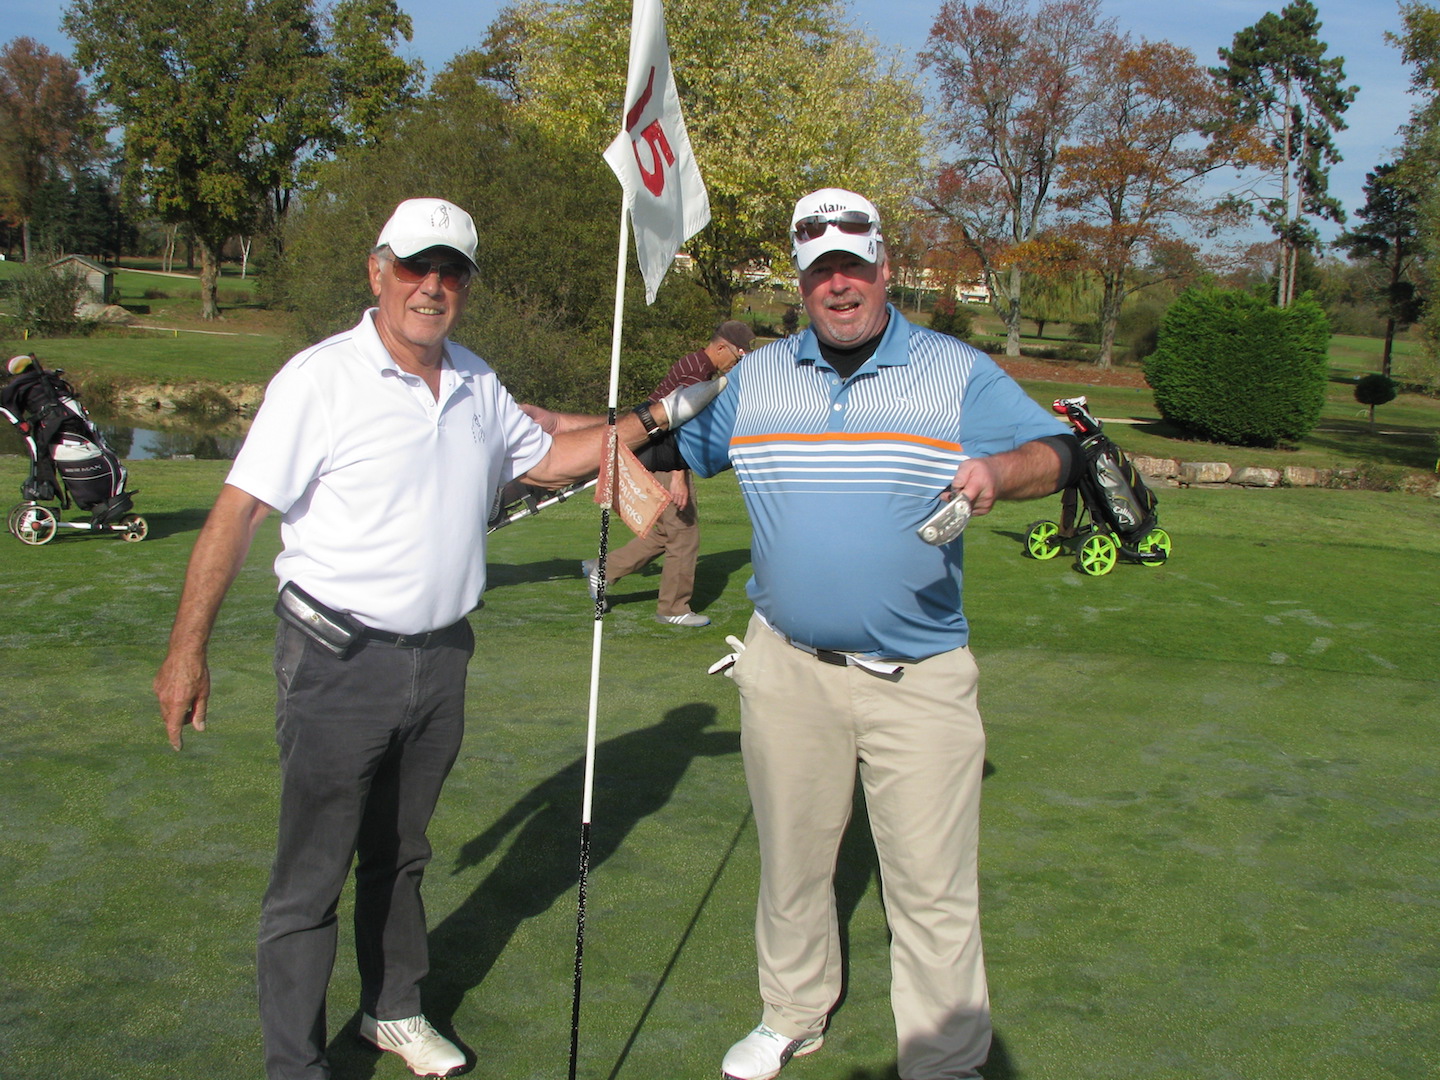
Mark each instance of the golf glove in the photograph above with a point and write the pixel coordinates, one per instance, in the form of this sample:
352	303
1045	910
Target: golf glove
686	402
726	662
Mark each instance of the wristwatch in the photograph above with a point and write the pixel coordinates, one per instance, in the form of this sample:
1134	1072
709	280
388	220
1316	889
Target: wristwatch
647	421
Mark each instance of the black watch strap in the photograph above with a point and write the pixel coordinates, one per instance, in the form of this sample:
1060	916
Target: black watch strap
646	420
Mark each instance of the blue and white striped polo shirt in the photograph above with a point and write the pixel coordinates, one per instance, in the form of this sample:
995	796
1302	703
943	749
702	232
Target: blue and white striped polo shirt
837	474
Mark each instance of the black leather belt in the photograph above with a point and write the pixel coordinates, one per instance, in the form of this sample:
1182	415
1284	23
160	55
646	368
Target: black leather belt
411	641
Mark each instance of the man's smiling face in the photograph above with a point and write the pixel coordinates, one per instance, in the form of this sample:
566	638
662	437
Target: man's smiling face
845	297
415	317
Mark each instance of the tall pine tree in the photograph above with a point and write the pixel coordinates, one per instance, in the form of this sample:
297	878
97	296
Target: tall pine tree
1279	78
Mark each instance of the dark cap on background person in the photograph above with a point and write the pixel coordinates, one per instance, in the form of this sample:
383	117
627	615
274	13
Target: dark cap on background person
736	333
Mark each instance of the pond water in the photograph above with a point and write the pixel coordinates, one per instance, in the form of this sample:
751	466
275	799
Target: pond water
211	442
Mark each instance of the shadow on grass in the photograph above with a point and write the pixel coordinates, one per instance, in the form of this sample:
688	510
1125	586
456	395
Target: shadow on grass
1404	445
172	522
713	572
499	574
999	1067
635	776
160	526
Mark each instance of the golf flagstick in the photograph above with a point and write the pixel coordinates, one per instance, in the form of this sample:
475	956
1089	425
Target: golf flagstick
666	202
599	625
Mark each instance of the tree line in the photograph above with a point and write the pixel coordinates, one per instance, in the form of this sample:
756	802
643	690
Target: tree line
1061	158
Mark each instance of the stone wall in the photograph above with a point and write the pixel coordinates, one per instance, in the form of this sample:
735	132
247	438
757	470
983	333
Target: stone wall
1219	473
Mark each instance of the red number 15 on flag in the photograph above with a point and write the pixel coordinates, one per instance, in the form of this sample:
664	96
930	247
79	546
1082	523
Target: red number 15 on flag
654	135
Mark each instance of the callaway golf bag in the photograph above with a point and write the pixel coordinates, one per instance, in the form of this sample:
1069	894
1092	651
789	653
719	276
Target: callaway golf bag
1109	513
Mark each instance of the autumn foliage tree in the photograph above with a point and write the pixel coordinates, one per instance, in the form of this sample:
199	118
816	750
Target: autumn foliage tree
1014	85
1156	126
48	127
780	97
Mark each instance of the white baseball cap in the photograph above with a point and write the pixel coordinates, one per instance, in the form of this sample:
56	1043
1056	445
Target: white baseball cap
833	219
418	224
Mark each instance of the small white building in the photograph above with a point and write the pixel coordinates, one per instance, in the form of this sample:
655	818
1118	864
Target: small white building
99	278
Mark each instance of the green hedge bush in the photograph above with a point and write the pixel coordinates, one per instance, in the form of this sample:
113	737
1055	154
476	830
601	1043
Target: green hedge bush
1233	368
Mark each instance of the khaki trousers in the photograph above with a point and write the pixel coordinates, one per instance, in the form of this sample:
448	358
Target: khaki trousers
676	536
918	743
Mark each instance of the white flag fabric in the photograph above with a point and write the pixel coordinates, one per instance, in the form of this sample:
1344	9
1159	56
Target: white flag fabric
652	157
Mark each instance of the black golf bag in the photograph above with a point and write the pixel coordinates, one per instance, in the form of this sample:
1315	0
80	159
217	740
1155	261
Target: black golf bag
69	461
1108	514
1111	486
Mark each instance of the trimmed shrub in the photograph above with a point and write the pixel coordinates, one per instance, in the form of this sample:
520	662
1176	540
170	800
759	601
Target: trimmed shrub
1375	390
47	298
1233	368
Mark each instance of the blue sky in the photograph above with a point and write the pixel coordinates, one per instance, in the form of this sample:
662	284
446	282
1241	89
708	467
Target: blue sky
1354	29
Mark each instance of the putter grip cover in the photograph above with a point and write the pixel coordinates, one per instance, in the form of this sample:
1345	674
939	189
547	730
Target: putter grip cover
686	402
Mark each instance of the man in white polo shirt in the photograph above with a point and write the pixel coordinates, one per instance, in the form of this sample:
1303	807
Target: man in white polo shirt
382	448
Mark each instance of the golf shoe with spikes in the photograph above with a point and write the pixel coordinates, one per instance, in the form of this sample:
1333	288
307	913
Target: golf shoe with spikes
763	1053
423	1049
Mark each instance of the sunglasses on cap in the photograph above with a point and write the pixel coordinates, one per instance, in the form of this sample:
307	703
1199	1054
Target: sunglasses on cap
454	273
853	222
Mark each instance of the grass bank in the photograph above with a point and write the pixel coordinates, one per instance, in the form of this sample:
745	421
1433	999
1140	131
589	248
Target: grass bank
1208	848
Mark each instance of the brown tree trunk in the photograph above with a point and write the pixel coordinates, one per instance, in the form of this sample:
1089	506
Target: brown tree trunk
209	278
1011	314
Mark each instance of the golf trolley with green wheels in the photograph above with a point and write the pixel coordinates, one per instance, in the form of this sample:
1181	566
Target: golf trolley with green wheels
1109	515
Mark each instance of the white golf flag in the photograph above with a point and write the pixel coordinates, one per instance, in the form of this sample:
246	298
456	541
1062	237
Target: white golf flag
652	157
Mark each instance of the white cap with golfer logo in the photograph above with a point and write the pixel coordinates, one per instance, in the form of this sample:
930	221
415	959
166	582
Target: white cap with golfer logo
833	219
418	224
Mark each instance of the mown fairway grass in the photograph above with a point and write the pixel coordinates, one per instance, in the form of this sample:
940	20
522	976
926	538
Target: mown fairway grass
1208	843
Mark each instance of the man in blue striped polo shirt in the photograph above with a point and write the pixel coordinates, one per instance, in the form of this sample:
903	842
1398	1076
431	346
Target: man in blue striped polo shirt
846	438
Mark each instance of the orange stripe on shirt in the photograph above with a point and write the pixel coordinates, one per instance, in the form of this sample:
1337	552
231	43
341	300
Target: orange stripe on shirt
845	436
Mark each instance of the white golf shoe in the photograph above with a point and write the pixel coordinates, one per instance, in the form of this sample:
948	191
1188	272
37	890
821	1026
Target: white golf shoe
685	618
763	1053
420	1046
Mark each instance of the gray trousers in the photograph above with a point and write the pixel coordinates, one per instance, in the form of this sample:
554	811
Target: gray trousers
365	746
917	741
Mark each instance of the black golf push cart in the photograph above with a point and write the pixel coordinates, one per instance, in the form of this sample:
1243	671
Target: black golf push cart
69	461
1109	515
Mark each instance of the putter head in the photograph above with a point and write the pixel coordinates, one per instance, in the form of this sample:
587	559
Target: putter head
946	523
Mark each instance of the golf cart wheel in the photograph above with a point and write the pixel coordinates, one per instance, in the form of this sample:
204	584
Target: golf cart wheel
1097	554
134	528
36	526
1041	540
12	520
1155	548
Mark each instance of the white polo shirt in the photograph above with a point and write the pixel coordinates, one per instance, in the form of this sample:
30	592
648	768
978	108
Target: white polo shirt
384	491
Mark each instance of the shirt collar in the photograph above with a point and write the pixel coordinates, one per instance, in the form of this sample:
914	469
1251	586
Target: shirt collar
375	354
893	350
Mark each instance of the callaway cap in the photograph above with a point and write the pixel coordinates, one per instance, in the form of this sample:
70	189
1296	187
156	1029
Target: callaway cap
418	224
833	219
